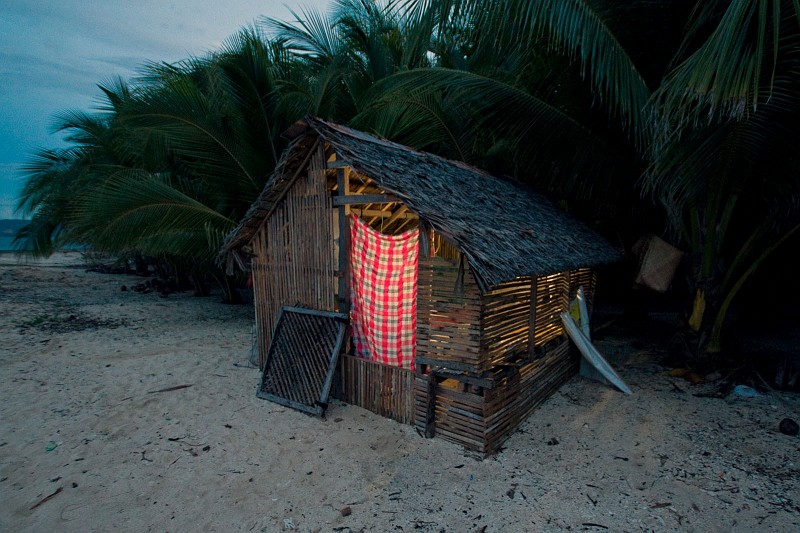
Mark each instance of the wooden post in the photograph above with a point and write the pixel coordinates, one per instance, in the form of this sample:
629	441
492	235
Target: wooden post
343	181
532	320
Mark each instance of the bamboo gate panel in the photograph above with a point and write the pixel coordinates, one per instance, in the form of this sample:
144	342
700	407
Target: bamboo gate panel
385	390
302	358
294	253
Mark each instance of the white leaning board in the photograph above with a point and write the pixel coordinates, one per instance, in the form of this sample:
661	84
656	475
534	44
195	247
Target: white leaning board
590	353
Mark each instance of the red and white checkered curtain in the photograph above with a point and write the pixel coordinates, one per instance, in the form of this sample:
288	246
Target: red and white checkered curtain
383	291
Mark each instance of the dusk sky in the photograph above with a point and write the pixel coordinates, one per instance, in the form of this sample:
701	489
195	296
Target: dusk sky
53	53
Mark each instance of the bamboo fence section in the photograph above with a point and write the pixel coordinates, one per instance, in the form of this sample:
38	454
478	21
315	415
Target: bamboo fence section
302	358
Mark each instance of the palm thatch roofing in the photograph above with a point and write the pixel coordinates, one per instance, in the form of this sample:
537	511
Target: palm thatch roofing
503	228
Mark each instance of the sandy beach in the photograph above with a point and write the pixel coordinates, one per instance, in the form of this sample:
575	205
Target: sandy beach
129	411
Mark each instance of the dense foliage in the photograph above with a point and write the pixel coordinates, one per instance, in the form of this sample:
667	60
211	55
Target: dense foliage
638	115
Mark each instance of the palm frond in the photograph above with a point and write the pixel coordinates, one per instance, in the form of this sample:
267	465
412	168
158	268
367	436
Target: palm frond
311	34
508	112
755	156
734	70
143	212
580	28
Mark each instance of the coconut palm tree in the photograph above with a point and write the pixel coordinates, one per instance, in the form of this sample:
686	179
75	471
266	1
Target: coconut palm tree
608	105
170	165
724	161
712	115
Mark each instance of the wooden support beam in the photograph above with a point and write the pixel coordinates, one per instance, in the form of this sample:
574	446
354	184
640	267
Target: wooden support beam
485	383
343	183
532	320
398	214
375	213
455	365
362	199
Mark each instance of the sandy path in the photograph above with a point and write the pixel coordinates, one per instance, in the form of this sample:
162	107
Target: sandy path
81	420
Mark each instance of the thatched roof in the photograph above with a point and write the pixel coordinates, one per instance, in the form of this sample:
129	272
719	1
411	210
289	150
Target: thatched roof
504	229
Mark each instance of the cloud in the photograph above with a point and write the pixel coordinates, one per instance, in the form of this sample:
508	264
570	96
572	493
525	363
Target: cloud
53	53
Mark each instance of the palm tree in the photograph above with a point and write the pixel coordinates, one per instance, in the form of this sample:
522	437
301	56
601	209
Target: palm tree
724	163
170	165
605	104
712	117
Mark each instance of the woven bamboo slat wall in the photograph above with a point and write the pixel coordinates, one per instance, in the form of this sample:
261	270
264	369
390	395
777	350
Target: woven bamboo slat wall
505	312
385	390
482	420
552	299
294	255
459	415
513	399
505	321
448	322
586	278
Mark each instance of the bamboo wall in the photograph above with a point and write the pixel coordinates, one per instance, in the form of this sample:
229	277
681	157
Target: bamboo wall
522	356
294	253
459	329
506	321
515	397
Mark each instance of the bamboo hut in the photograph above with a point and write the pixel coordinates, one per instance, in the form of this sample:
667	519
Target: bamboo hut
496	264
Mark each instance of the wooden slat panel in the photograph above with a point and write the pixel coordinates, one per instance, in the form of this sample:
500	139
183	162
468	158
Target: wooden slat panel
302	358
586	278
505	321
552	299
458	415
448	323
483	421
510	402
385	390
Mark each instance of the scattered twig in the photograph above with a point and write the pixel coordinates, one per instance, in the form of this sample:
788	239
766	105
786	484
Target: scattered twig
660	505
170	389
592	524
46	498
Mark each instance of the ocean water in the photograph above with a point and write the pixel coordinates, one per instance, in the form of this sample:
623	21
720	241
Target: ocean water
6	246
5	243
